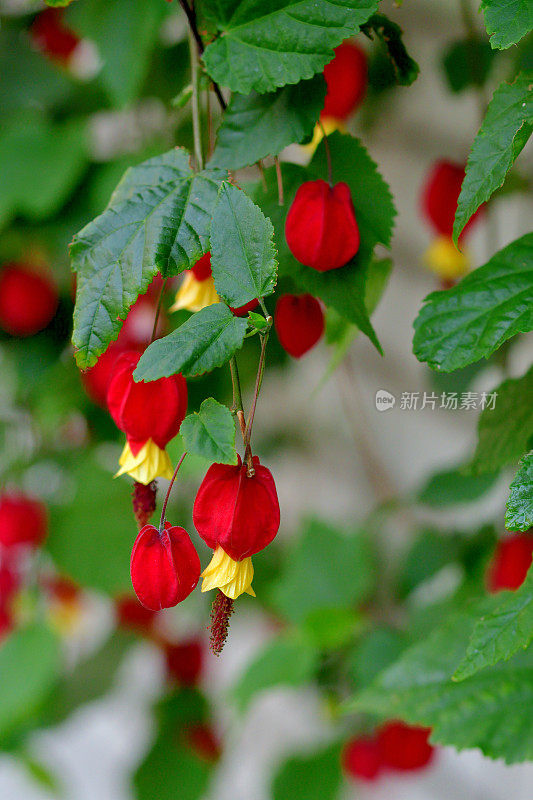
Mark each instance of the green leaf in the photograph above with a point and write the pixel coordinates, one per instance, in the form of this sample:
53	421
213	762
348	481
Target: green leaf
58	3
210	433
503	134
157	219
473	319
504	433
243	255
467	62
390	35
257	321
419	688
331	628
326	568
125	32
206	340
373	653
30	661
171	766
519	515
319	774
430	551
288	661
262	47
500	633
259	125
454	486
507	21
35	152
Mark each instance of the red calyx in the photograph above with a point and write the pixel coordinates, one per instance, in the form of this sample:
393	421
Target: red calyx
131	615
202	271
237	512
346	78
145	411
440	194
511	562
321	229
165	566
404	747
23	520
28	300
299	323
361	758
184	662
52	36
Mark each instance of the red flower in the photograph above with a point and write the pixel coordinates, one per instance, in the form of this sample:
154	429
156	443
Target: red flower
198	290
202	269
361	758
440	194
23	520
96	379
201	737
346	79
404	747
165	566
511	562
236	512
28	300
184	661
52	36
299	323
321	228
131	615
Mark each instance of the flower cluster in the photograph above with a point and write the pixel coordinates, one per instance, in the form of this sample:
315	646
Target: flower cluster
394	746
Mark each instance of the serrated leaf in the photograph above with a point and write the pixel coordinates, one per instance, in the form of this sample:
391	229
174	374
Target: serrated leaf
210	433
519	514
390	35
500	633
259	125
505	431
503	134
467	62
158	218
243	255
507	21
318	772
288	661
454	486
263	47
473	319
419	689
206	340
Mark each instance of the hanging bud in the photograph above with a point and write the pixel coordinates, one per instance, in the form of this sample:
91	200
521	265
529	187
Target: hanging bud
321	228
131	615
198	290
184	661
346	79
165	566
23	520
361	758
299	323
28	300
440	194
510	562
404	747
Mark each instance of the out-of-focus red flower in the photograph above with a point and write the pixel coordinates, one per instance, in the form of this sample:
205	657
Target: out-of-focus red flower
361	758
131	615
61	588
440	193
23	520
346	78
321	229
51	35
204	742
28	300
299	323
404	747
198	290
184	661
511	562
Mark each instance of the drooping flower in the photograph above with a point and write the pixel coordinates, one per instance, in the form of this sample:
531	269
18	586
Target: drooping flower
184	661
346	78
198	290
444	259
321	229
361	758
237	515
23	520
510	562
150	414
299	323
28	300
404	747
131	615
52	36
165	566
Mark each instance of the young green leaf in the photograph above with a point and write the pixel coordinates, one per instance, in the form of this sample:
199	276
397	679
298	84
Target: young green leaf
210	433
243	255
206	340
503	134
467	62
259	125
262	47
157	219
454	486
519	514
507	21
390	34
500	633
473	319
504	432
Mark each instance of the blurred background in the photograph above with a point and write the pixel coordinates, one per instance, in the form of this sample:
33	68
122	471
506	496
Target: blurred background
123	705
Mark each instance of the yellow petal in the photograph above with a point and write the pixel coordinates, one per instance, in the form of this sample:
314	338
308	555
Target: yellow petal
231	577
443	258
194	295
329	124
150	462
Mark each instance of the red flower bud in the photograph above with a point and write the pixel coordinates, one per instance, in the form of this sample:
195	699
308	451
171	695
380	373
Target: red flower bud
242	311
23	520
165	567
52	36
321	228
131	615
202	739
184	662
440	194
145	411
28	300
404	747
236	512
96	379
511	562
346	79
299	323
361	758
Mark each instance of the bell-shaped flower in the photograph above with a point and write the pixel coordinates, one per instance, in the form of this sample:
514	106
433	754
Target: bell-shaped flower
299	323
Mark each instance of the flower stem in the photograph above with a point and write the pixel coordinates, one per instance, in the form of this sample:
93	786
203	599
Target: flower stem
258	382
158	310
170	485
328	153
279	177
195	105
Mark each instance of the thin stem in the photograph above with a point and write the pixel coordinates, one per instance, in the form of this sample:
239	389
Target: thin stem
258	382
328	153
170	485
237	406
195	105
279	176
158	310
191	18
